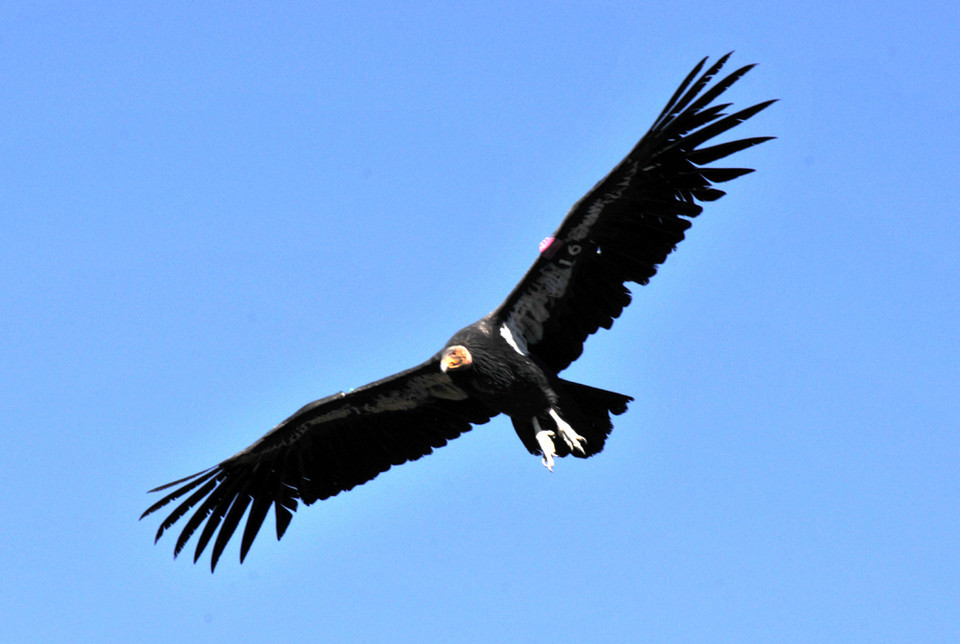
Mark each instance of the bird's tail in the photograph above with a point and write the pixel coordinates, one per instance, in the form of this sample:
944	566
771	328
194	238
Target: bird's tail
588	410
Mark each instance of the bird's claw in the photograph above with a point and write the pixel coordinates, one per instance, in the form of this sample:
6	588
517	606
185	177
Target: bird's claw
547	448
545	439
575	442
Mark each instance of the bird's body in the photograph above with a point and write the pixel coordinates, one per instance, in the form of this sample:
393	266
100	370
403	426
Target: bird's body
507	362
508	380
505	380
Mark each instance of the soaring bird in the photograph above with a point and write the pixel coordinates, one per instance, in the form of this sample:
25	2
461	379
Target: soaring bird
505	363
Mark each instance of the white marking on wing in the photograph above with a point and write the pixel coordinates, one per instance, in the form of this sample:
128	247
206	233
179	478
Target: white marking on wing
507	335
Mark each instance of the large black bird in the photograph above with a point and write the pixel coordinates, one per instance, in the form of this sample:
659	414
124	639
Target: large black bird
506	363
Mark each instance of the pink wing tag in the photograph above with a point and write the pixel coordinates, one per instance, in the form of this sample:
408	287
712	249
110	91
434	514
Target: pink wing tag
545	244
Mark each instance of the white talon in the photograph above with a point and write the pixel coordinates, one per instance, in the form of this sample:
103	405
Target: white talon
545	441
574	441
547	461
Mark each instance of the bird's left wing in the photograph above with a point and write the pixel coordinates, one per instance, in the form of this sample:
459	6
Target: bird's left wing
627	224
327	447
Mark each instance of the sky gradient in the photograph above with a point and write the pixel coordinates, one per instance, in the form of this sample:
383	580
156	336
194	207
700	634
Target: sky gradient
213	214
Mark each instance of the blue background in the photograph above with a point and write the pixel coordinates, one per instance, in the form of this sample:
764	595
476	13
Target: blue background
214	213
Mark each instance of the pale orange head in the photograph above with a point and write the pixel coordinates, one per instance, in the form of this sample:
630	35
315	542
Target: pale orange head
455	357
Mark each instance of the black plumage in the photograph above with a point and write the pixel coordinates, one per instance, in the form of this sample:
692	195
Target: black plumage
507	362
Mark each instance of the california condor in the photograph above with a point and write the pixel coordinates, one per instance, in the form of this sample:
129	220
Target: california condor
506	363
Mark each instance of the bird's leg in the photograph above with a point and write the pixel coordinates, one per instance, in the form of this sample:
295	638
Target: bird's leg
545	440
573	440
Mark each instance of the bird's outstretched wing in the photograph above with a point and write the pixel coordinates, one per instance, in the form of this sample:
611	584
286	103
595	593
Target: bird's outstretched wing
628	223
327	447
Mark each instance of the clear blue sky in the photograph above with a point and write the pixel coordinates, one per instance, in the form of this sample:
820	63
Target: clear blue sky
214	213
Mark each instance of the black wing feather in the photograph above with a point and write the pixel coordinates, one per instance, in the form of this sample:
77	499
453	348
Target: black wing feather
625	227
328	446
258	512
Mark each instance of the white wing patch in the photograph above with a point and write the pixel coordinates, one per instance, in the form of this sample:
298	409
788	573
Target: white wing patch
507	335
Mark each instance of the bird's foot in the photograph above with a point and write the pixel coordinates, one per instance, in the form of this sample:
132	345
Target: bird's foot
575	442
547	448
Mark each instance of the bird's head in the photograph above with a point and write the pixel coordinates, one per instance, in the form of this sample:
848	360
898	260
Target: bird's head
455	357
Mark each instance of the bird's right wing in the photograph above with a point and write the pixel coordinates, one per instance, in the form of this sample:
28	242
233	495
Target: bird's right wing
328	446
